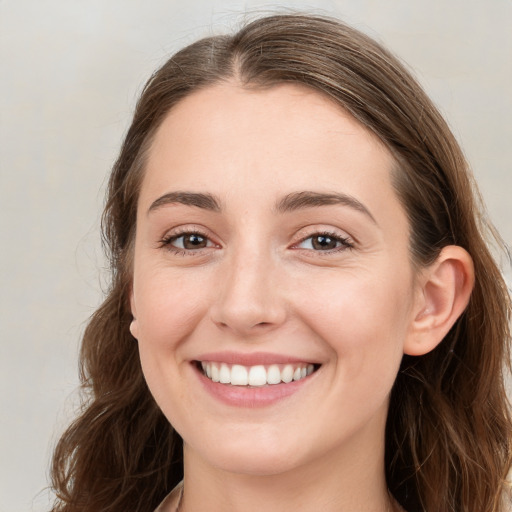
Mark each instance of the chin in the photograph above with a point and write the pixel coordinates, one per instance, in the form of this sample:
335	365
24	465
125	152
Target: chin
251	458
262	464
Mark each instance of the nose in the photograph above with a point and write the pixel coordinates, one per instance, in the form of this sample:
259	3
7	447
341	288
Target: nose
250	298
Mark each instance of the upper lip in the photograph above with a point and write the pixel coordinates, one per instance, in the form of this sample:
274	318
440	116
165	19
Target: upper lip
251	359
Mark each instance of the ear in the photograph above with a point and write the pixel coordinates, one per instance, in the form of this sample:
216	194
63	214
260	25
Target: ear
134	327
443	294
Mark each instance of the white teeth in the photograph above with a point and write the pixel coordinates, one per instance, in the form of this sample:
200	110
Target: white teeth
287	373
273	374
239	375
259	375
224	374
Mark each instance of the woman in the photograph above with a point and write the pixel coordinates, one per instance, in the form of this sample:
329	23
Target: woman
300	287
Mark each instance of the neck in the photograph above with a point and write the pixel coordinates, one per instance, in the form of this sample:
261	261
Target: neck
349	478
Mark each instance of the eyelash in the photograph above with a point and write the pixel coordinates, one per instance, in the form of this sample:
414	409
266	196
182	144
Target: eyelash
344	242
168	240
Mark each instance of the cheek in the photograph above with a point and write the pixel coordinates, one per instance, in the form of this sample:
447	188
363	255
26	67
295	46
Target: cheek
363	320
168	311
167	307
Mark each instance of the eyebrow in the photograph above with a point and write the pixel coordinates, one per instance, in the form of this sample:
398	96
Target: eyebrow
289	203
308	199
200	200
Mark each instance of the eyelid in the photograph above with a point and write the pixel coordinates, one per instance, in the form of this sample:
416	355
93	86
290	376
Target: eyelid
346	241
166	240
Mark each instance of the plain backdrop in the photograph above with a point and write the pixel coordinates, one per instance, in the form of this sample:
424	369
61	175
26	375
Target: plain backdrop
70	74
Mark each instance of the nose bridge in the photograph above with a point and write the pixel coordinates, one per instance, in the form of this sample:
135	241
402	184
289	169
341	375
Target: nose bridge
249	297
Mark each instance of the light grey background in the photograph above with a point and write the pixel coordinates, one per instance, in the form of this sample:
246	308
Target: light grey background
70	73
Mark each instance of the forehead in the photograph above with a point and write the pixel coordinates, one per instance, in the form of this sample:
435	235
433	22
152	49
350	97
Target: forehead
229	140
229	116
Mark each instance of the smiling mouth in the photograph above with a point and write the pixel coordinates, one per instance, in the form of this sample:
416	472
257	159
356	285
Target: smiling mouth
255	376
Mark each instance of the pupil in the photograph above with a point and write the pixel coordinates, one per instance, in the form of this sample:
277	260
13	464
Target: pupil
194	242
324	242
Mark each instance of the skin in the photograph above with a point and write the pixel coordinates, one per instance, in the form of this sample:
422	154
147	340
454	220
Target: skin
259	284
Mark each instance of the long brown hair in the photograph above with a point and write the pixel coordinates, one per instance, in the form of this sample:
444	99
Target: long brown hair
448	444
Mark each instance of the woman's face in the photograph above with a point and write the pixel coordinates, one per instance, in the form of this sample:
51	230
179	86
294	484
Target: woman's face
270	245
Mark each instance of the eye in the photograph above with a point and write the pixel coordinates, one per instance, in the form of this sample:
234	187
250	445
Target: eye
189	241
324	242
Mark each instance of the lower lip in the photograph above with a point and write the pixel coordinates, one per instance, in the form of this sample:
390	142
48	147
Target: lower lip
250	397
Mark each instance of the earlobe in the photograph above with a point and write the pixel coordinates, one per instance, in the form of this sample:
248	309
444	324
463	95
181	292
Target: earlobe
134	329
445	290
